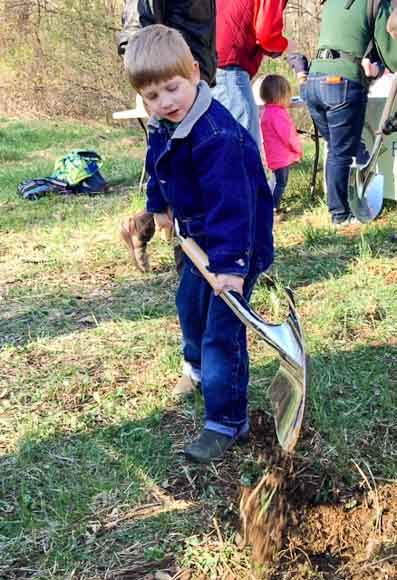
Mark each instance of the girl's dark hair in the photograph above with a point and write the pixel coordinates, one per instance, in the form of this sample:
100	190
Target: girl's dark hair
275	89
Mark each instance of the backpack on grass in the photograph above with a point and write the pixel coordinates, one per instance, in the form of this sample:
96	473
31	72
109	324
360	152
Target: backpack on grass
77	166
76	172
33	189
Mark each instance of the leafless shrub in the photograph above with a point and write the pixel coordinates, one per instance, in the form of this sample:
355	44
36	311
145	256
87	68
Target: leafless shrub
58	57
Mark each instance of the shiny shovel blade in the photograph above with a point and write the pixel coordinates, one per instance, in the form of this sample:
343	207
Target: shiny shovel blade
365	202
287	394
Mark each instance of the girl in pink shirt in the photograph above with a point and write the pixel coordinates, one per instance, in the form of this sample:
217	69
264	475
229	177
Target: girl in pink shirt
281	141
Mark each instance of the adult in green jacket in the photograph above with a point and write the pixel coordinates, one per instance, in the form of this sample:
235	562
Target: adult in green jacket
337	87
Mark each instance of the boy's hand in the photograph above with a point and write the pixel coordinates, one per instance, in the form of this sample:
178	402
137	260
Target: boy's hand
163	221
228	282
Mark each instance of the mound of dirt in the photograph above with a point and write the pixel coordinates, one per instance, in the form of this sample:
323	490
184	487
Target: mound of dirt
294	533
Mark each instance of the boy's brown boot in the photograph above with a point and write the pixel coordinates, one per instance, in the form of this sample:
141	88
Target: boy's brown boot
136	231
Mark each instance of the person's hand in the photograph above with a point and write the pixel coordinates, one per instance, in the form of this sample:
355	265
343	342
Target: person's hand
391	25
163	221
371	69
228	282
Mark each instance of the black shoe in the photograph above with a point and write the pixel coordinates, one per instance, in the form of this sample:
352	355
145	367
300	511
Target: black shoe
210	446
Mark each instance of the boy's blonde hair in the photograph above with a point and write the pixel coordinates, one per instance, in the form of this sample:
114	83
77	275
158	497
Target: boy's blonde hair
275	89
157	53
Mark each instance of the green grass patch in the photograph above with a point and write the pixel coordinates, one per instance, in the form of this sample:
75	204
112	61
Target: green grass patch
93	481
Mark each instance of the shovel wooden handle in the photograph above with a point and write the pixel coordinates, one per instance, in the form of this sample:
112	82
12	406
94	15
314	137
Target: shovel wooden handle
198	257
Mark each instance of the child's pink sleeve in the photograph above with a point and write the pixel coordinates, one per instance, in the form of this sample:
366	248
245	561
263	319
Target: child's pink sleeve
295	140
284	128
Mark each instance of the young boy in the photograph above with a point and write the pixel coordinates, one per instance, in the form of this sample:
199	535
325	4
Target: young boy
206	168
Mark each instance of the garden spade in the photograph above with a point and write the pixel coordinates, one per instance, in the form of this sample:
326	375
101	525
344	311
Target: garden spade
288	388
365	188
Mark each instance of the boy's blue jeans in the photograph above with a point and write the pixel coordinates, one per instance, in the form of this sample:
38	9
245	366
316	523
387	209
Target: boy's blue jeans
281	176
338	110
233	89
215	341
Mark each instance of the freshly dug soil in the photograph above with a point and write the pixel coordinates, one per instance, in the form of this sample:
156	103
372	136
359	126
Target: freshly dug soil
348	535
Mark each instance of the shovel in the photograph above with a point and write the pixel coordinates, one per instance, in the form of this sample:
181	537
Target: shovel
365	188
288	388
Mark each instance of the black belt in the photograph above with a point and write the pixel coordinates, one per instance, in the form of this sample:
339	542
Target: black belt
332	54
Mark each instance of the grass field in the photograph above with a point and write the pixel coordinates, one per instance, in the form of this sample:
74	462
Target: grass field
93	481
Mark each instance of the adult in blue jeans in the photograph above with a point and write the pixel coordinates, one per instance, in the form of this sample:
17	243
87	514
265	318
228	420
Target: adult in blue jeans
338	109
337	87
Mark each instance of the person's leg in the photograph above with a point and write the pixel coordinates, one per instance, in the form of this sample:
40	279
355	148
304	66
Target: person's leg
192	299
225	375
281	176
137	231
338	110
310	93
233	89
346	104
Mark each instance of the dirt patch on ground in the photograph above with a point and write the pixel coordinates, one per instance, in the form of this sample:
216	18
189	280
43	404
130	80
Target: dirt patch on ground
349	540
314	526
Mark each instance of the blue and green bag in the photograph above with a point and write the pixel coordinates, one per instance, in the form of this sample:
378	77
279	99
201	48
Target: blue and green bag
76	172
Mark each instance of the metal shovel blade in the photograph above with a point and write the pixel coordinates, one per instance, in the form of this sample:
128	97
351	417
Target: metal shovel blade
365	188
365	200
288	389
287	395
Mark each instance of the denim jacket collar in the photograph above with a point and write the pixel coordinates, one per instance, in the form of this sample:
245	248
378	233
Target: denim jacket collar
199	107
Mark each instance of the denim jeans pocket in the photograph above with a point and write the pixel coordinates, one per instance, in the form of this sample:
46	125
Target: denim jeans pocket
334	94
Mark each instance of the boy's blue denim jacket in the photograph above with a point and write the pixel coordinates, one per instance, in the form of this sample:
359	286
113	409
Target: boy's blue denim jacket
210	173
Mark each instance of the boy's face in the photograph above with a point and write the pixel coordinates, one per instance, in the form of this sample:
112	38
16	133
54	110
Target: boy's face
172	99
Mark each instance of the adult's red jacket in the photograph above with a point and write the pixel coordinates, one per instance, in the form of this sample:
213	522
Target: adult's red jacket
246	30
